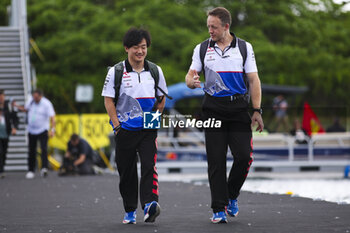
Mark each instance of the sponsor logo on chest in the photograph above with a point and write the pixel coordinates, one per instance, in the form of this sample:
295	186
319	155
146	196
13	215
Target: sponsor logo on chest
126	75
210	55
127	80
128	85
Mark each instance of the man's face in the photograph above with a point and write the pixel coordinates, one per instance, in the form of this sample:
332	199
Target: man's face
75	142
137	53
215	28
36	97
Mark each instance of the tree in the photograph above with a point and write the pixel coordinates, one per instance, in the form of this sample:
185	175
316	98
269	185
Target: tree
296	42
3	12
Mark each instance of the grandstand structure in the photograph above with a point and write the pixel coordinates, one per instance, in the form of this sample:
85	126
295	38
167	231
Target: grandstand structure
16	77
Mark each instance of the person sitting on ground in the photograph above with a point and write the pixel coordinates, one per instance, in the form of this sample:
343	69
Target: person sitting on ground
78	158
299	133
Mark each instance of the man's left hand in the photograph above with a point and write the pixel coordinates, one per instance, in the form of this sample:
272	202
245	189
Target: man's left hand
51	133
13	131
256	118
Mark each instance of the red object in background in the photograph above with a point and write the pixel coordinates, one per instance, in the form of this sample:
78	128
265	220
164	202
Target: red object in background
171	156
311	124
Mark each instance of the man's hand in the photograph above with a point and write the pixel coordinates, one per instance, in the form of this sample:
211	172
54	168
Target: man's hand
13	131
117	130
256	118
196	81
67	155
80	160
192	79
20	108
51	133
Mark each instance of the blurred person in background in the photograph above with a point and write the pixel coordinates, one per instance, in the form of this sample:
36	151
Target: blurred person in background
280	106
300	134
8	126
78	158
336	126
41	125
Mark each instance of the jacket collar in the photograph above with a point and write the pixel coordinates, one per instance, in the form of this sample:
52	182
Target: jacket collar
233	42
129	67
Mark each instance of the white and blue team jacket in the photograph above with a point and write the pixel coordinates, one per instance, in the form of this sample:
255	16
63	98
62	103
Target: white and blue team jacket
136	95
224	69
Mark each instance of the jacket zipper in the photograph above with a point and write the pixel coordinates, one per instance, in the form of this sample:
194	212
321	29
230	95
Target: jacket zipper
139	77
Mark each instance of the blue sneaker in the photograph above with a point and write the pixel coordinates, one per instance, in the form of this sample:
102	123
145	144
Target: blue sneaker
219	217
130	218
152	210
232	208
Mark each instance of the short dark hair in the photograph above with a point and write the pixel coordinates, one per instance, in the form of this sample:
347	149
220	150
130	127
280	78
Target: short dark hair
134	36
2	91
74	137
223	14
38	91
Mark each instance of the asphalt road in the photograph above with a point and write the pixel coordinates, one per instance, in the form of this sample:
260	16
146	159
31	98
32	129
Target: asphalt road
93	204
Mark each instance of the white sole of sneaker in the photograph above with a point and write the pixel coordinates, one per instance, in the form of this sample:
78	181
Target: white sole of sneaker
234	215
153	212
128	222
218	221
229	214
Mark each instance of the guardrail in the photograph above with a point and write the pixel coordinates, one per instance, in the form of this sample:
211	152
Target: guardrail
329	139
269	141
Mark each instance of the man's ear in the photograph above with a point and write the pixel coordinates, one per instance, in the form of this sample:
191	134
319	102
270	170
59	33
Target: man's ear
126	49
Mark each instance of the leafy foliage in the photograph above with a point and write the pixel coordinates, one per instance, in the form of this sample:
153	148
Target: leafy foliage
3	12
296	42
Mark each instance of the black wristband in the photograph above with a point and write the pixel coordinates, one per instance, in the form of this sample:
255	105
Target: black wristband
117	128
259	110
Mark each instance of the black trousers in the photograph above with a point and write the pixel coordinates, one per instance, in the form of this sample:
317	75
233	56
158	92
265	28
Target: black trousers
4	142
128	143
33	140
236	133
238	137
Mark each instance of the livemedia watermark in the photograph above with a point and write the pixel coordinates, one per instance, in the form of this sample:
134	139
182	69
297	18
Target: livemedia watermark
157	120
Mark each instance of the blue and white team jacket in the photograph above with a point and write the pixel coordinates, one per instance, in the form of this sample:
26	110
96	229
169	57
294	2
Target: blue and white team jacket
136	95
224	69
